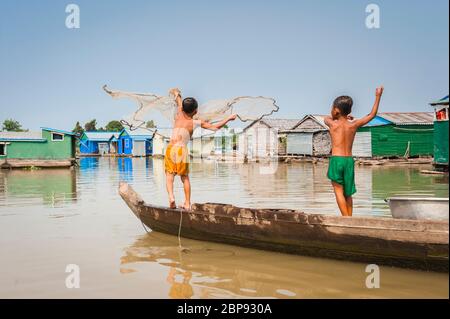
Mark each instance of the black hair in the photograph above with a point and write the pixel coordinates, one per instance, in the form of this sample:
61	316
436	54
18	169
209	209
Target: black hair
190	105
343	104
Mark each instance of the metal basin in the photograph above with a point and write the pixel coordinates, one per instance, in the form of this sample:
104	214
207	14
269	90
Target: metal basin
419	208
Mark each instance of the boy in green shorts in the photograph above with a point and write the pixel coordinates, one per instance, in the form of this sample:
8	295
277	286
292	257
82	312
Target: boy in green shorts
343	129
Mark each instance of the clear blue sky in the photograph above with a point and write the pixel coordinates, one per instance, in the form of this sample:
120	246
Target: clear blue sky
302	53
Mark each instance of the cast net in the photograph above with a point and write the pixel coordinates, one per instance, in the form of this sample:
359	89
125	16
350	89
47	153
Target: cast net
247	108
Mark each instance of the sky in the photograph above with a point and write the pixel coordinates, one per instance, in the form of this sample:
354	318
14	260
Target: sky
302	53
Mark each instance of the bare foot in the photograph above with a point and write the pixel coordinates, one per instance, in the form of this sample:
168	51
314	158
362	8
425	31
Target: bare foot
186	206
172	204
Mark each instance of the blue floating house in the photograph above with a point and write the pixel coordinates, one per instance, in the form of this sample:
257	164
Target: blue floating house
137	142
98	143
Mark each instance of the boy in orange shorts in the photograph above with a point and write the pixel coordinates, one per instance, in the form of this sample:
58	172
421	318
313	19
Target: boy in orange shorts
176	161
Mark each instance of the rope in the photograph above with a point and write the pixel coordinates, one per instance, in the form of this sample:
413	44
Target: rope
143	225
179	230
407	150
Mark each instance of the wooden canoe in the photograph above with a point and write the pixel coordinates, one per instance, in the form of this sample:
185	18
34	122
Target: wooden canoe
418	244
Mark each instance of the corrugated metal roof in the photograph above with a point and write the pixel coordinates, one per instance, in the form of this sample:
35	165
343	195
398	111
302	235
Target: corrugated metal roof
141	133
57	131
20	136
408	118
101	136
319	119
443	101
280	124
377	121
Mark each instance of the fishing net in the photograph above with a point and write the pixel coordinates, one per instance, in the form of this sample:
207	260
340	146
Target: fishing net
247	108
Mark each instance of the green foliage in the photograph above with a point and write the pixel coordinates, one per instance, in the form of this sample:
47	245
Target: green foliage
91	126
78	129
12	126
114	126
150	124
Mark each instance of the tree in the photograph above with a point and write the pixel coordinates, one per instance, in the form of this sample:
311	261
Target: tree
78	129
91	126
12	126
150	124
114	126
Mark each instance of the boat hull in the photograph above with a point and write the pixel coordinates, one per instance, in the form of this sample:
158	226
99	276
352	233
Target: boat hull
383	241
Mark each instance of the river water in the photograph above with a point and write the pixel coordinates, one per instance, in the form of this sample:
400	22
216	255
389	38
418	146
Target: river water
50	219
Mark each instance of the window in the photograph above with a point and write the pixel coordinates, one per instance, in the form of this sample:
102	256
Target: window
2	150
441	114
57	137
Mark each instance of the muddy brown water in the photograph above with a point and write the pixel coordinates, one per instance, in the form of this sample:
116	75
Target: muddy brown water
53	218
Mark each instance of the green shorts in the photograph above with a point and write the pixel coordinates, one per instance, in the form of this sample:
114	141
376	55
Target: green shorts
341	170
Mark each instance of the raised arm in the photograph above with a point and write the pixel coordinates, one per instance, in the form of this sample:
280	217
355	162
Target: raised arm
219	125
177	94
328	120
366	119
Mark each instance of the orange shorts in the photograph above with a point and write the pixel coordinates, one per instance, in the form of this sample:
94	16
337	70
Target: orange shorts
176	160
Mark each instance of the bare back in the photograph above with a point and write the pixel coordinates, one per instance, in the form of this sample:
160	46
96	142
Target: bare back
342	133
183	129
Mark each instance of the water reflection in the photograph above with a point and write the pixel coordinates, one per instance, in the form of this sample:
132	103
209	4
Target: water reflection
125	165
88	163
210	270
54	187
101	226
129	166
180	289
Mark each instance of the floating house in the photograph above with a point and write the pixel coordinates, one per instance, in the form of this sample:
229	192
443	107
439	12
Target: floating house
203	143
160	141
98	143
47	148
440	140
137	142
396	135
309	137
225	141
264	138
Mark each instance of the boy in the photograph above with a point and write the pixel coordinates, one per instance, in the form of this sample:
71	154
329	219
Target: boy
176	156
343	128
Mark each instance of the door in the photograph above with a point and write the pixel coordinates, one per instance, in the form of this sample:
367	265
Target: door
249	146
362	146
300	143
139	148
122	146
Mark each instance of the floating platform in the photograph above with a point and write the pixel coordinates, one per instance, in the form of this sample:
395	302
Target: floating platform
26	163
417	244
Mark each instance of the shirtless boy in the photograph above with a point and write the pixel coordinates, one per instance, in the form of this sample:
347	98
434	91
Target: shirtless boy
176	161
343	127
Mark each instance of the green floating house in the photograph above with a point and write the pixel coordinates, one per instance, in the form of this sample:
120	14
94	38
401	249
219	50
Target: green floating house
47	148
440	142
396	135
